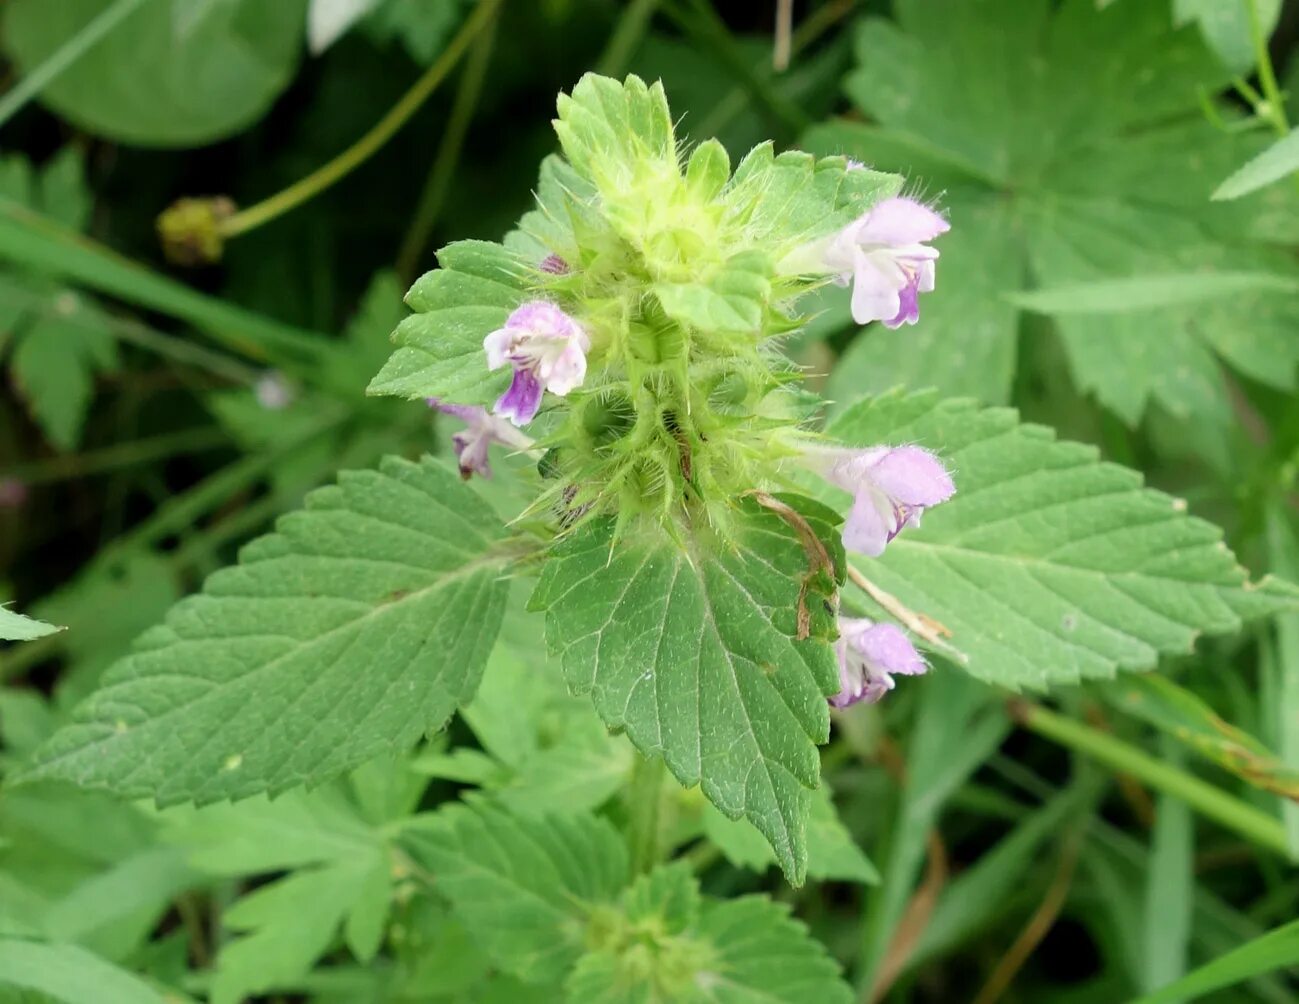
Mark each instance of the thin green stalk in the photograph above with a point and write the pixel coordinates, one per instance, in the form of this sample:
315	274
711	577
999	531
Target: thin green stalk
29	240
175	516
626	38
817	24
133	333
1207	799
644	798
186	509
1266	75
711	35
434	196
67	54
111	458
360	151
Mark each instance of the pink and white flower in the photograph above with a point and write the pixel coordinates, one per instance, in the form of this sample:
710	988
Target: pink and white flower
547	350
870	654
891	486
886	256
481	430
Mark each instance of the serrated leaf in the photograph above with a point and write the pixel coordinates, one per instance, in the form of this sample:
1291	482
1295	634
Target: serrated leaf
694	654
676	946
143	84
1049	566
797	197
1102	174
525	888
17	627
361	624
70	974
831	851
609	129
440	347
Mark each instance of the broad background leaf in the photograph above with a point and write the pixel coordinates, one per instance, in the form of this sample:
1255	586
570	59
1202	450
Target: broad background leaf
148	84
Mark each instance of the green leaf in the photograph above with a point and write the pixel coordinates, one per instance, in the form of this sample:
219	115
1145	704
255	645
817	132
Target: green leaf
16	627
610	129
1225	27
1182	715
1276	162
55	363
146	84
1274	950
674	946
694	654
525	888
733	299
440	347
831	851
1100	176
1121	296
1170	884
260	835
423	28
289	924
361	624
1049	566
70	974
795	196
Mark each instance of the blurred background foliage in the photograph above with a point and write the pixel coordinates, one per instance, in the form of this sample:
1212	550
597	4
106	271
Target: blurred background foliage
157	416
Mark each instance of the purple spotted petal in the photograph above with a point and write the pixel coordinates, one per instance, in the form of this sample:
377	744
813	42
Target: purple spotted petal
908	305
523	399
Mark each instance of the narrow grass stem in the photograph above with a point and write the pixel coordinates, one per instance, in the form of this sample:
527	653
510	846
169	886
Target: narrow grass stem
382	131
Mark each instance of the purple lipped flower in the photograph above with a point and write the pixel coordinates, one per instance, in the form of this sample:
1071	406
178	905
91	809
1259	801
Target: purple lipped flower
885	254
554	265
547	350
870	654
891	487
481	430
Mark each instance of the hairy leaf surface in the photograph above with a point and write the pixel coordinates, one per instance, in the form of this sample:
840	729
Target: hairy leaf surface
361	624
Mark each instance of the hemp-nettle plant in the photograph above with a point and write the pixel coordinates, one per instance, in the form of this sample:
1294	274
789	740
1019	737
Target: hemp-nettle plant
718	567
